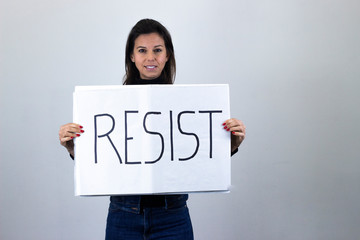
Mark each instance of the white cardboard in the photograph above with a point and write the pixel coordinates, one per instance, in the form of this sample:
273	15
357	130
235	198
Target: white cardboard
162	105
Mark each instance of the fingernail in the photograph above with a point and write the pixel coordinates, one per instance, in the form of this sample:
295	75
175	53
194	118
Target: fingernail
78	135
72	137
224	124
225	127
228	129
82	131
233	132
81	126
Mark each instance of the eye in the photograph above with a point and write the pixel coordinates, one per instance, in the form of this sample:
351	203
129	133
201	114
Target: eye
157	50
141	50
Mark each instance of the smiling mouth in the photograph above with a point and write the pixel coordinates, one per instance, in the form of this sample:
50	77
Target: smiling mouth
150	67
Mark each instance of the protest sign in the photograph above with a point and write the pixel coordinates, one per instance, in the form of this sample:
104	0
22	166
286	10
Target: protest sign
151	139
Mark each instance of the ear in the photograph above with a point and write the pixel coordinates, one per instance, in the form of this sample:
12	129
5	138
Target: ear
132	58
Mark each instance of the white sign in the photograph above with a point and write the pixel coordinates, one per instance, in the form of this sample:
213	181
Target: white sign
151	139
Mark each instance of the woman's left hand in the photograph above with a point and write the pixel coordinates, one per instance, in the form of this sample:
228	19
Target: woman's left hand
237	129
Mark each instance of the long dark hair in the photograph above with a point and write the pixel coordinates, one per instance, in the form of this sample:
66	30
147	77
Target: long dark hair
146	26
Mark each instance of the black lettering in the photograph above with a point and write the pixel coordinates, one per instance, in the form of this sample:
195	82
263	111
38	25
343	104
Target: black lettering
171	137
105	135
186	133
154	133
210	126
128	138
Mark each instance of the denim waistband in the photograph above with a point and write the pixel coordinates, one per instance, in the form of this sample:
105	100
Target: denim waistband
133	202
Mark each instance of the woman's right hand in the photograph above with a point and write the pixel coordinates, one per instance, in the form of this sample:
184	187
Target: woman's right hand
67	133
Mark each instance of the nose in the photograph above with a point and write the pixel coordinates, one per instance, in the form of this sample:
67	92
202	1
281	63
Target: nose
150	56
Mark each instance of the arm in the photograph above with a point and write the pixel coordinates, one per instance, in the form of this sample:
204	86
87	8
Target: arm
67	134
237	129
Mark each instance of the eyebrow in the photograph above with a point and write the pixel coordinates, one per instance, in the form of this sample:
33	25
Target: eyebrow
154	46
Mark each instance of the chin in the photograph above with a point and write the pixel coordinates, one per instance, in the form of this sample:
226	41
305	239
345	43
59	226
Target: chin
150	77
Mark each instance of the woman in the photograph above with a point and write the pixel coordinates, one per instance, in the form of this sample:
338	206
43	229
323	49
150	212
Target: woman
149	60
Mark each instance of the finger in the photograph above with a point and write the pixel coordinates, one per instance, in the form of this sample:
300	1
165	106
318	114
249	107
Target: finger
233	122
65	139
71	125
74	128
238	134
241	128
235	128
68	134
70	128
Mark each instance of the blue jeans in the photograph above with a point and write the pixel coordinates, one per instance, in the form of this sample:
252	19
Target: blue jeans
128	219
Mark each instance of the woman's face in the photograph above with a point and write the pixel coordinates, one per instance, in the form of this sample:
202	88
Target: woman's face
149	55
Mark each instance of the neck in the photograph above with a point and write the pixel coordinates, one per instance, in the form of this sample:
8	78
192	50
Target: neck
139	81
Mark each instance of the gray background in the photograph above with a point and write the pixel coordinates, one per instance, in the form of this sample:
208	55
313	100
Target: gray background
293	69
